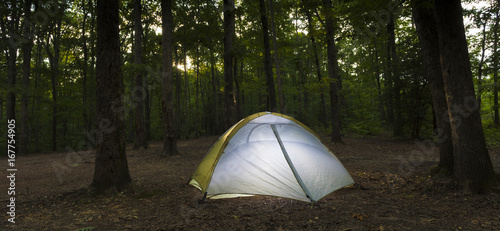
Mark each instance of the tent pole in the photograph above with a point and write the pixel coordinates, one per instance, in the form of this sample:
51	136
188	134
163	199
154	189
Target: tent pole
285	153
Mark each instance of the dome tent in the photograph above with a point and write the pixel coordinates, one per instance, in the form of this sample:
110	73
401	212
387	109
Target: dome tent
270	154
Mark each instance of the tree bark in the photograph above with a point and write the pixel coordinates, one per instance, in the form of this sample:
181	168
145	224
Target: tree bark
472	164
333	73
268	68
27	46
228	63
139	94
425	23
111	168
169	129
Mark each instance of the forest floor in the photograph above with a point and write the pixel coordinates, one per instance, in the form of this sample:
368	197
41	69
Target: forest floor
394	191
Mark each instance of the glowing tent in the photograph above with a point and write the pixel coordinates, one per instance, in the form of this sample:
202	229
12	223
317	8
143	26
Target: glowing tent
270	154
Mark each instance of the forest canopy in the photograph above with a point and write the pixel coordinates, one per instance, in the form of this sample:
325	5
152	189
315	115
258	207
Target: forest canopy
48	71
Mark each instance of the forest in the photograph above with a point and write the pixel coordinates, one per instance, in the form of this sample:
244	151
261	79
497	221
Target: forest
53	91
166	74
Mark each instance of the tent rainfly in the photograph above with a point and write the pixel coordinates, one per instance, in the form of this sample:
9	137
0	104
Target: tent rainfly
270	154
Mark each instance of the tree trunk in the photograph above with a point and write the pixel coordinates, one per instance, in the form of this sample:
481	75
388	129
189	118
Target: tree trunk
228	63
279	83
169	138
472	164
27	46
36	100
496	117
197	93
393	60
186	96
147	107
92	77
268	68
333	73
322	113
54	73
139	94
86	123
214	93
111	168
425	22
377	78
12	28
238	95
480	66
176	74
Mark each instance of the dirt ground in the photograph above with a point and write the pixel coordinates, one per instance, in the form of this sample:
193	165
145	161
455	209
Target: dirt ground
393	192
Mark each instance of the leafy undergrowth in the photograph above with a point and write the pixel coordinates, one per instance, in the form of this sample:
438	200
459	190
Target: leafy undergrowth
393	191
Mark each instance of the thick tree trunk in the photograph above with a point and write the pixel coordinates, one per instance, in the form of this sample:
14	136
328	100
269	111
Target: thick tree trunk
27	46
139	94
279	83
111	168
426	29
333	73
472	164
268	67
169	137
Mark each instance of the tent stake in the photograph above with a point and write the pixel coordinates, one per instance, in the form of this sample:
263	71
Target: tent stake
202	201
